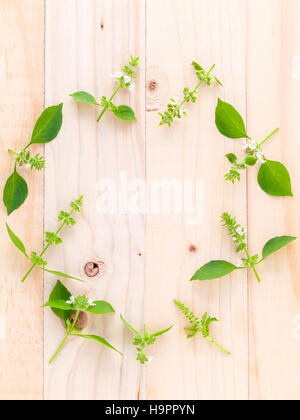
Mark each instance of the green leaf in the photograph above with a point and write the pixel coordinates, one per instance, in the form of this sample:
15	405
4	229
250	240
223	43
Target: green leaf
231	157
229	122
98	340
101	308
276	244
197	66
63	275
59	304
274	179
61	293
15	192
129	326
16	241
48	125
214	270
218	81
125	113
251	161
84	97
159	333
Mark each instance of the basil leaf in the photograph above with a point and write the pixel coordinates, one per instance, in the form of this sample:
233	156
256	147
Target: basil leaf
125	113
218	81
251	161
59	304
134	331
229	122
84	97
159	333
101	308
15	192
231	157
16	241
214	270
48	125
61	293
276	244
98	340
60	274
274	179
197	66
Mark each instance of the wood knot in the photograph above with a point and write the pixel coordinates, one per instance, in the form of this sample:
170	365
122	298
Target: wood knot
93	268
102	26
157	88
193	249
82	320
152	85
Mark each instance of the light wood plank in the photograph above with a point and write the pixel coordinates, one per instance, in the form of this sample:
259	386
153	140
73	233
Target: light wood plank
85	43
177	33
273	93
21	102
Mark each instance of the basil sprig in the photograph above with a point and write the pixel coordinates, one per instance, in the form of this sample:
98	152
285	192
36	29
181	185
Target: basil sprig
46	130
217	269
273	177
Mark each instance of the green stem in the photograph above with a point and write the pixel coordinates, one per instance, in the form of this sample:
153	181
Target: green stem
12	152
17	154
107	106
218	345
256	273
198	86
66	338
269	136
253	267
44	251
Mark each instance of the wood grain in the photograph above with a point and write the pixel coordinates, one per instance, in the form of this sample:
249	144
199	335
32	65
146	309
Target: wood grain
178	33
21	102
99	37
149	259
273	90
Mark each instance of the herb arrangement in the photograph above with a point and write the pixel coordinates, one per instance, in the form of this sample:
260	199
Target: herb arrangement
199	325
144	340
175	109
51	238
273	177
217	269
124	80
46	130
64	306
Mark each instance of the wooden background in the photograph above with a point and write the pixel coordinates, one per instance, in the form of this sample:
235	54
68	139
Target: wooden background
53	48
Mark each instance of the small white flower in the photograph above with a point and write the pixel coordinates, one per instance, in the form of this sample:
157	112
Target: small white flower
127	79
252	145
149	360
71	300
131	87
260	157
117	75
181	114
91	302
239	263
240	231
245	145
